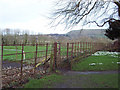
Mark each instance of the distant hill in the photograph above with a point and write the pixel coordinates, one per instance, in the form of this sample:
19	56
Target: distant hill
75	34
87	33
57	34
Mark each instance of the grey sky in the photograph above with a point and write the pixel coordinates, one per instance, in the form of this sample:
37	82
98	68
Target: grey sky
28	15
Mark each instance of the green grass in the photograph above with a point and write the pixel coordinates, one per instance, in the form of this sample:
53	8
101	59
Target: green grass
45	82
12	50
83	81
105	80
106	60
98	80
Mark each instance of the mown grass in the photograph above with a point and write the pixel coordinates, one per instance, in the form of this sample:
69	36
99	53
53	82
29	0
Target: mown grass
109	63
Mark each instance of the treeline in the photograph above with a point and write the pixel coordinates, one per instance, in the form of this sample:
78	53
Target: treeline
10	36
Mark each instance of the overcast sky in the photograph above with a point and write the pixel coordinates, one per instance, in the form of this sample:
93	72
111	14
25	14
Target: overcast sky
29	15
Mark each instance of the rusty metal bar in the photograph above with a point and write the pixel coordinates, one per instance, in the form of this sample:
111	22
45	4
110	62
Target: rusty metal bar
46	50
55	56
36	56
83	46
92	47
72	51
59	53
16	52
75	49
22	60
71	56
59	49
46	56
67	50
78	49
1	55
89	47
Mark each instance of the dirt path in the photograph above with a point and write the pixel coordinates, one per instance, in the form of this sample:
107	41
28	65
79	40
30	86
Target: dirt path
77	79
88	72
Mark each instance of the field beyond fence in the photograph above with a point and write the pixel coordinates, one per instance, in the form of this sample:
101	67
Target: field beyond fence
20	61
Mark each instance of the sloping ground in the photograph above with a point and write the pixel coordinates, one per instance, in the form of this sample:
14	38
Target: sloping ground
89	80
73	79
11	73
97	71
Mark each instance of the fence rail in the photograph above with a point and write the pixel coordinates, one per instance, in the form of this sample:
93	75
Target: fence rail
33	54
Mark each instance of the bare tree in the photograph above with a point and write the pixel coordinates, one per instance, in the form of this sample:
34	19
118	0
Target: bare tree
73	12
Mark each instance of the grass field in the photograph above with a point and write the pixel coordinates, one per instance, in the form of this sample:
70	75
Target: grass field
32	49
93	81
41	52
97	62
46	81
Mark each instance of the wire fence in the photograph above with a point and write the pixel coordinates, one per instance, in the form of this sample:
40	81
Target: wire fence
21	60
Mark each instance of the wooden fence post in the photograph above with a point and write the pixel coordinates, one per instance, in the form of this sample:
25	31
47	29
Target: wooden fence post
22	61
